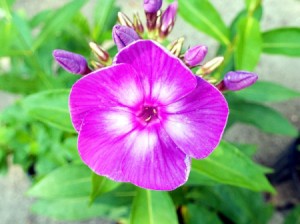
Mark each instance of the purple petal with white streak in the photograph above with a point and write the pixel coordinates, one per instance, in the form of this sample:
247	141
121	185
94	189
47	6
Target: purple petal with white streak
165	78
113	145
196	122
116	86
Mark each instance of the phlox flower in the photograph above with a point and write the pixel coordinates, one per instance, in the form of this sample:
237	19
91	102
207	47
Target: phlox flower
142	119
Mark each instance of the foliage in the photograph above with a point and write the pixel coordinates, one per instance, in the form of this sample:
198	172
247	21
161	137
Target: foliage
223	188
293	216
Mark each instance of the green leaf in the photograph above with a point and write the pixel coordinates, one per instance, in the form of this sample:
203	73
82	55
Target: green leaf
77	209
293	217
9	36
243	172
3	153
81	28
24	32
6	9
105	13
57	21
69	181
7	4
197	177
248	44
228	51
70	148
252	5
113	205
16	84
50	107
262	117
40	18
101	185
248	149
284	41
263	92
202	15
239	205
197	214
241	15
152	207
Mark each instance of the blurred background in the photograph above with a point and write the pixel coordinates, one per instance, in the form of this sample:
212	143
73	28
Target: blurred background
15	206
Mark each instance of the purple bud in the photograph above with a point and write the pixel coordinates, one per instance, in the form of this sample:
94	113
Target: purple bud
124	35
239	80
195	55
71	62
152	6
168	19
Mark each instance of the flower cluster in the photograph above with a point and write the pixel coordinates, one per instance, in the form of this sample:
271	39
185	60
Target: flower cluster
144	114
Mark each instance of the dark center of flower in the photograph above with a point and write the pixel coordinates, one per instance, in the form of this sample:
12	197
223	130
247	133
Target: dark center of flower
148	113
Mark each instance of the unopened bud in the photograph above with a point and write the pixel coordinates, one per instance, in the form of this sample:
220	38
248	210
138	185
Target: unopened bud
210	66
124	20
168	19
237	80
71	62
101	54
176	46
124	35
195	55
151	20
152	6
137	23
212	80
97	65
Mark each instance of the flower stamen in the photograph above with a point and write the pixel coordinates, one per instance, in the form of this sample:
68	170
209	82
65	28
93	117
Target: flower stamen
148	113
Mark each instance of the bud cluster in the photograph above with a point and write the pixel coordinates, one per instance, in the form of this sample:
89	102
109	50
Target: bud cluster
159	24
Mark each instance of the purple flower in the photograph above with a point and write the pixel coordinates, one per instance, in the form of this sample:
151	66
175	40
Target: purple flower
195	55
71	62
124	35
239	80
143	118
152	6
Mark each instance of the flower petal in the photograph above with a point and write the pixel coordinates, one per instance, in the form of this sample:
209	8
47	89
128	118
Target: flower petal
164	77
116	86
196	123
113	145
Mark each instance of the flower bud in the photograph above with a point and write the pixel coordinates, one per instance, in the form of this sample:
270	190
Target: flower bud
151	20
124	35
100	53
124	20
176	46
97	65
168	19
71	62
152	6
238	80
137	24
195	55
210	66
